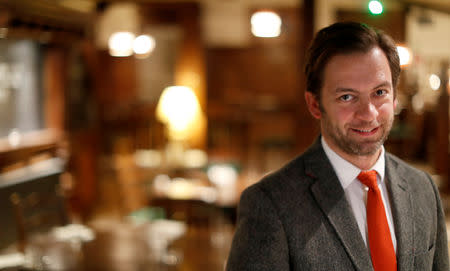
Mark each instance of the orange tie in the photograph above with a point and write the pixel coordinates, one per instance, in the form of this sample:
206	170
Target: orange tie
380	241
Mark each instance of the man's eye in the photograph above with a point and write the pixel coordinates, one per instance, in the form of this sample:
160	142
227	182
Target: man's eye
346	97
380	92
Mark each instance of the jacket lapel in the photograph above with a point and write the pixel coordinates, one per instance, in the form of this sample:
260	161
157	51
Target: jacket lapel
401	205
331	198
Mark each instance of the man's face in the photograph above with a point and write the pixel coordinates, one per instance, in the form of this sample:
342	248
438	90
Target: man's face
357	103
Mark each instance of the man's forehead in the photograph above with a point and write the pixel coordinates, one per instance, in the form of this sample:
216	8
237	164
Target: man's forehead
358	68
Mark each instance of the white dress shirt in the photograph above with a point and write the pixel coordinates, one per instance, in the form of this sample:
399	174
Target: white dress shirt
356	192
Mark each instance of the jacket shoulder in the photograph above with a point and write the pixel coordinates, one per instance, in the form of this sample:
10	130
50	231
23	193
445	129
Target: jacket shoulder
404	167
292	178
419	181
283	185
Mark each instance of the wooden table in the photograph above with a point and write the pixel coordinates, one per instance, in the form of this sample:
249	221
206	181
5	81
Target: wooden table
121	246
201	248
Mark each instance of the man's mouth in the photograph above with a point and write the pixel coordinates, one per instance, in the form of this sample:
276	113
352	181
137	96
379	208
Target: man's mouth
366	131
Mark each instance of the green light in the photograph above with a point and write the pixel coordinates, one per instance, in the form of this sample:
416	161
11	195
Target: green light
375	7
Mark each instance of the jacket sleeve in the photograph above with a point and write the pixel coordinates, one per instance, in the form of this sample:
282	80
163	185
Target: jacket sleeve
441	256
259	242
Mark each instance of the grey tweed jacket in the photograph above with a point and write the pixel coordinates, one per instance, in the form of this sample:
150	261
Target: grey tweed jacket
298	218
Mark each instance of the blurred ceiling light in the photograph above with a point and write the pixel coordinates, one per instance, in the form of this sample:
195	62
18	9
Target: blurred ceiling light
375	7
14	138
178	107
143	45
266	24
121	44
405	55
435	82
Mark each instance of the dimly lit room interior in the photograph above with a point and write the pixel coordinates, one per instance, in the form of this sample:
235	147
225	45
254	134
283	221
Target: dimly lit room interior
129	129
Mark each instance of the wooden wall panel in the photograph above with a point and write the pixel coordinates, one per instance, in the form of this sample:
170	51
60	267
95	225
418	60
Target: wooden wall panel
392	22
256	109
54	88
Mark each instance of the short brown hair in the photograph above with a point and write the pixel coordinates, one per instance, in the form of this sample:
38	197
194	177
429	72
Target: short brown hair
345	38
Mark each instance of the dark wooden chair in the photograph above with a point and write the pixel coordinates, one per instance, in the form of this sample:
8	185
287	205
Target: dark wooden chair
37	213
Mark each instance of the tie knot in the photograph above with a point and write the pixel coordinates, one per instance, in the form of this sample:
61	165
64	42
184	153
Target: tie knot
368	178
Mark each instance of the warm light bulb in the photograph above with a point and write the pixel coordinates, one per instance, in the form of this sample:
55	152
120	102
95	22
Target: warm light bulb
266	24
375	7
435	82
121	44
143	45
405	55
178	107
14	138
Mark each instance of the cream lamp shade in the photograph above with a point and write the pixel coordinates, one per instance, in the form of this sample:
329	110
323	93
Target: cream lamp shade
179	109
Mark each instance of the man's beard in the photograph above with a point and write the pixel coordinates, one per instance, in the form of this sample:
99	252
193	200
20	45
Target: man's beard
351	146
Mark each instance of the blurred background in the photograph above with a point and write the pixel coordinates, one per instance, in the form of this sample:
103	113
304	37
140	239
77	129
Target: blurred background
144	120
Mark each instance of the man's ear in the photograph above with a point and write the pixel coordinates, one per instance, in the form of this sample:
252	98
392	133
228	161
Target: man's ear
313	105
395	103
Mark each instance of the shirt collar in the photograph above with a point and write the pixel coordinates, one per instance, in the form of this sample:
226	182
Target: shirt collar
347	172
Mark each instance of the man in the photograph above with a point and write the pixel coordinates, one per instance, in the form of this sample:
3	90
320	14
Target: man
344	204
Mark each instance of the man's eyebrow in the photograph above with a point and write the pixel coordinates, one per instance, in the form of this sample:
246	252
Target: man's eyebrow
338	90
384	84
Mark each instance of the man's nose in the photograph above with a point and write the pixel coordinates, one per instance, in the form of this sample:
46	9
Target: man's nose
367	111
